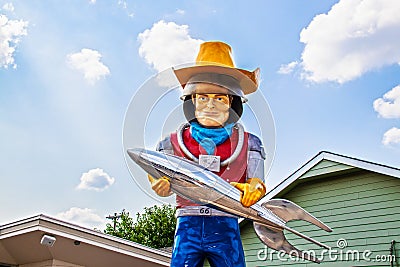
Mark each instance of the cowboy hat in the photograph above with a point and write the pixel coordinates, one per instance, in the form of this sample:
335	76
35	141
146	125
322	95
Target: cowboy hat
215	59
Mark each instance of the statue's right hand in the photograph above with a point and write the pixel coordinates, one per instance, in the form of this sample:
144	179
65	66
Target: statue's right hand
161	186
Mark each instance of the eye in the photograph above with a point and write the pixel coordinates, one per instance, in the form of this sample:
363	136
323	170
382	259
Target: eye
222	99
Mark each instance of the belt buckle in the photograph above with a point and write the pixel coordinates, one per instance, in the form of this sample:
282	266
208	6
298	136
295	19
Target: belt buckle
205	211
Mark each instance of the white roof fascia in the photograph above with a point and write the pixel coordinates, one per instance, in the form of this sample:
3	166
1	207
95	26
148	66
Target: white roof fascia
34	225
19	232
362	164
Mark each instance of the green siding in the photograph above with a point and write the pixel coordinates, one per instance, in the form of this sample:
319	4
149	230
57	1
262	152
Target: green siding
361	207
325	167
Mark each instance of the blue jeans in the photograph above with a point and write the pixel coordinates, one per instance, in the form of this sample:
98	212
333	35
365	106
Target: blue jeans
216	238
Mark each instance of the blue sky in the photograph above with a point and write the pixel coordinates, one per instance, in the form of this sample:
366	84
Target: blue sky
69	69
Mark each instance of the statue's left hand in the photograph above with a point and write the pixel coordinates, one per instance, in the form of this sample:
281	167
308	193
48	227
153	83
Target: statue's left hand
252	191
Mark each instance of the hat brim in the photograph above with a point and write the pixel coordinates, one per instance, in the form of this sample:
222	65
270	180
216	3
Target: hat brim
248	80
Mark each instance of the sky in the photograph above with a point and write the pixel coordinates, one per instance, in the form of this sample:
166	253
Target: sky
76	82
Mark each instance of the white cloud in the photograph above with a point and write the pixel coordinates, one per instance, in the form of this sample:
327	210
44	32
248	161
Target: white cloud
11	32
354	37
8	7
392	136
95	179
389	105
83	217
288	68
180	12
92	2
167	44
88	62
122	4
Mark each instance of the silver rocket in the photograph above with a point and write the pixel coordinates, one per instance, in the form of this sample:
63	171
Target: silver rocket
196	183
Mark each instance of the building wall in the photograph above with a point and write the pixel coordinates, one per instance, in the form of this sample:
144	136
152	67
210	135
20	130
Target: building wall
51	263
362	208
5	256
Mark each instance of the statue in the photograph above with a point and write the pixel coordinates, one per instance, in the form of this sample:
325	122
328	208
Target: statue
230	160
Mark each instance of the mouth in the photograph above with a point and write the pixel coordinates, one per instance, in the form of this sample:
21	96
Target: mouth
210	114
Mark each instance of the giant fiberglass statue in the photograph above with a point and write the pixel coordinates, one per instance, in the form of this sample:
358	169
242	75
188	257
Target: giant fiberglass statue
216	168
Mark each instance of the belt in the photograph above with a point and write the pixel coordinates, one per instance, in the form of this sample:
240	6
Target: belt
201	211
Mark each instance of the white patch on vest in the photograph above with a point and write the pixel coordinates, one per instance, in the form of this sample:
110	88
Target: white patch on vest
210	162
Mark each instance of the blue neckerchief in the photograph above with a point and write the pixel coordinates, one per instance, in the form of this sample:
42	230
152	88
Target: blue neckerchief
209	138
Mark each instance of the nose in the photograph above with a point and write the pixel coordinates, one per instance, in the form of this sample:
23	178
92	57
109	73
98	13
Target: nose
210	103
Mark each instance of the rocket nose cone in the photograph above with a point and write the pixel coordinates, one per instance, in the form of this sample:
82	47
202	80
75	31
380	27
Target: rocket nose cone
145	159
135	154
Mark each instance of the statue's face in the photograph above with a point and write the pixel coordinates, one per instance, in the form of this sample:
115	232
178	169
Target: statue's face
212	104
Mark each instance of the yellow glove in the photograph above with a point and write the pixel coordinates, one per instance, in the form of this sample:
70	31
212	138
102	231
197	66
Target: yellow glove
161	186
252	191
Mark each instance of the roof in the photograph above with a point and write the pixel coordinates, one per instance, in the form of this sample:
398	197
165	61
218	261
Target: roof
20	243
348	163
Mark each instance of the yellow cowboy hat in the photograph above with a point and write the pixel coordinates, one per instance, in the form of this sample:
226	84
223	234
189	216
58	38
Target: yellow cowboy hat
215	60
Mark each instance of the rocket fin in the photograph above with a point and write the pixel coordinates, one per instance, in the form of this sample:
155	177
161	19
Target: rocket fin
289	211
275	239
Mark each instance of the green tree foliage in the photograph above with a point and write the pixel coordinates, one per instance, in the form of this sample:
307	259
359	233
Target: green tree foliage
123	226
155	227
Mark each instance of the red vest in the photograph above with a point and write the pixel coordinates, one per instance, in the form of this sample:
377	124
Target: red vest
236	171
